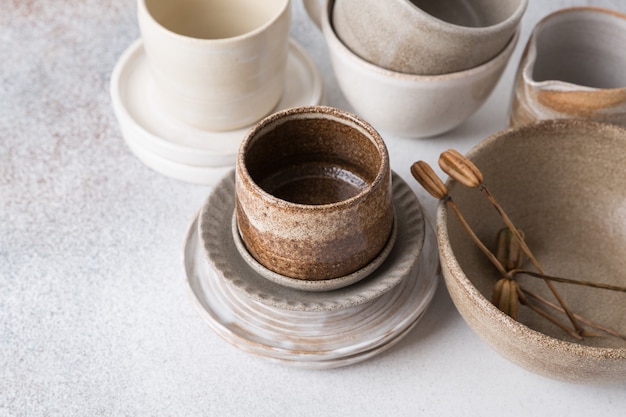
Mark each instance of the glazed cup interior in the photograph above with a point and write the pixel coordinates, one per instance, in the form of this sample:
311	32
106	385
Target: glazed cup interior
328	163
476	14
214	19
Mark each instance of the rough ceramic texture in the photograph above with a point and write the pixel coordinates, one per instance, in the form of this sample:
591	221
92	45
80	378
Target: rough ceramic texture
217	65
313	195
573	67
427	37
311	339
217	241
562	183
411	105
308	284
180	151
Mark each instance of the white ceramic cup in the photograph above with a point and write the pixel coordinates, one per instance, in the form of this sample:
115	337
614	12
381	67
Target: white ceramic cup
217	64
427	37
573	67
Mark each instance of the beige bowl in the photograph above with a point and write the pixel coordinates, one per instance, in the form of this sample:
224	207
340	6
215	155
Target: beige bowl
562	182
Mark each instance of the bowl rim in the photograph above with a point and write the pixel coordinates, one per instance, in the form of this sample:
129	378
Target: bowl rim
335	44
283	11
455	28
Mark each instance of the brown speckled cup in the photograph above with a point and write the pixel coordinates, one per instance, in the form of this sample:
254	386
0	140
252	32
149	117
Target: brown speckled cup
313	193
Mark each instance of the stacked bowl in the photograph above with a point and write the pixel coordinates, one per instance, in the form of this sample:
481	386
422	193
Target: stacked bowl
418	68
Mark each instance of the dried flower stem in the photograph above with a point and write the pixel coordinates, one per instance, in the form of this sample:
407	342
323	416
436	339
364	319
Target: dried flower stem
461	167
427	178
465	172
473	236
567	280
580	318
533	260
543	313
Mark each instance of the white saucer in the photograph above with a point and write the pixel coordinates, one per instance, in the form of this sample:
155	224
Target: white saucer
147	126
310	339
188	173
215	234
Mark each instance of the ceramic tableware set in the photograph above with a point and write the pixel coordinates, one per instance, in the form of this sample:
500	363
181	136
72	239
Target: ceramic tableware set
313	252
309	250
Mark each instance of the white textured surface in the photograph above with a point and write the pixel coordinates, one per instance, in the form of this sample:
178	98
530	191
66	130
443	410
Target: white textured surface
95	318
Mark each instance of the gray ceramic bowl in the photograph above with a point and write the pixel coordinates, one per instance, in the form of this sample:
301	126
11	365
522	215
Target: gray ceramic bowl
563	183
409	105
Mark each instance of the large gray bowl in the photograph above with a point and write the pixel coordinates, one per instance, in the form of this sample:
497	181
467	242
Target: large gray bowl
564	184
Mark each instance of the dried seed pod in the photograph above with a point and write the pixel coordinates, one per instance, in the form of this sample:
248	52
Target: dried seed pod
427	178
504	296
509	250
460	168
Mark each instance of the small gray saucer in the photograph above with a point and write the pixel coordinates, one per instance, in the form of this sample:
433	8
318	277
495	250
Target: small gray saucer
216	239
314	285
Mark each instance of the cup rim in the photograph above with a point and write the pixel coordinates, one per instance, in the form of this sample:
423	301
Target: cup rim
384	171
531	49
440	23
333	39
143	9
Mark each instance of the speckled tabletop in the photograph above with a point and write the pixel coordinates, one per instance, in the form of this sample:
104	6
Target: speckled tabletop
95	315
